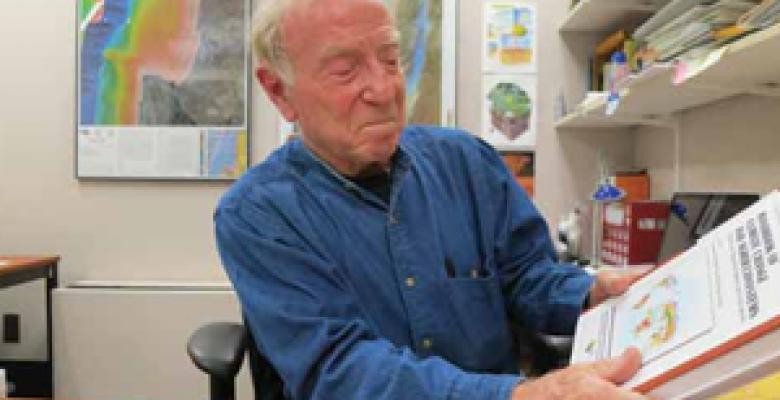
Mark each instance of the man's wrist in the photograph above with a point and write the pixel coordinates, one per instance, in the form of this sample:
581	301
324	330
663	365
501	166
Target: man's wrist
469	385
521	391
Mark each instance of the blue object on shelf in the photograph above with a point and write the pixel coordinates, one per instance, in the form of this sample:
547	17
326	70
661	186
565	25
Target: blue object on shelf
680	210
618	57
607	192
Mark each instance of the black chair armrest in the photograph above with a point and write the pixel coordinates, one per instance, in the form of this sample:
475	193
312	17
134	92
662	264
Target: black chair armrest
218	349
559	346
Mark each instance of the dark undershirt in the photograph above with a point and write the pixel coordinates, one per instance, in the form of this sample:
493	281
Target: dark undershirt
379	184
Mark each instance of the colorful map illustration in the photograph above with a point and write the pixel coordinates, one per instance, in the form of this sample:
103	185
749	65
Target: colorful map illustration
162	63
664	315
167	81
223	148
420	23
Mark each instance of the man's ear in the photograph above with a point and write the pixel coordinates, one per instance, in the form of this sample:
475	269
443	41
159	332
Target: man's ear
276	88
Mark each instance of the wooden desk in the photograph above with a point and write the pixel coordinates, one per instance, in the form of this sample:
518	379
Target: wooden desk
16	270
32	379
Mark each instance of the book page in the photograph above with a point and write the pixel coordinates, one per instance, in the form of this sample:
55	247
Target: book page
665	312
594	333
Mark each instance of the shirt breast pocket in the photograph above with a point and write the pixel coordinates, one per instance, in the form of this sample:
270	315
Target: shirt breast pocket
480	322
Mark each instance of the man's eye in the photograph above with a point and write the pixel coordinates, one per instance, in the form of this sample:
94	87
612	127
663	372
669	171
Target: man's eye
343	71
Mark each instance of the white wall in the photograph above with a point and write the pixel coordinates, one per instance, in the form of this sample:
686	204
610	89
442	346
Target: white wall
731	145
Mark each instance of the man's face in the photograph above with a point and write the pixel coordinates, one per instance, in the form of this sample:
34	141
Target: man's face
348	91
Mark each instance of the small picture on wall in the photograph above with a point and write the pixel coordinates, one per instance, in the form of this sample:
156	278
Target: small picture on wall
509	38
521	165
509	111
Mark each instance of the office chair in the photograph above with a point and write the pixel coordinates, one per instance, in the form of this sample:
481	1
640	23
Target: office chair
218	350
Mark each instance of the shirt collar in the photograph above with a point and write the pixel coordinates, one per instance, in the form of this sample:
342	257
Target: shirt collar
309	162
303	156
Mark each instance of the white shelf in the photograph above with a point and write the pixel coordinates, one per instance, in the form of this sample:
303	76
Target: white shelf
596	119
655	96
605	15
751	65
748	66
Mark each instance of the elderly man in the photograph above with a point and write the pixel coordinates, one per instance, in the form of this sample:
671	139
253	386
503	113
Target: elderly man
375	260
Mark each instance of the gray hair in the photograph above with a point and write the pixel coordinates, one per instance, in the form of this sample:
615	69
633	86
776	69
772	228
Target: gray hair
267	36
267	43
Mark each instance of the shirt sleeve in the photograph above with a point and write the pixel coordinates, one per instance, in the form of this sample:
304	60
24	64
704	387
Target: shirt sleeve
542	294
306	323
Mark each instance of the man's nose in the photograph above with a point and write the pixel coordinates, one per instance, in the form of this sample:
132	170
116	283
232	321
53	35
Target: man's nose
380	84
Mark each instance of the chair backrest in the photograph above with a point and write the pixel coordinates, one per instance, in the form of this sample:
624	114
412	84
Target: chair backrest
266	381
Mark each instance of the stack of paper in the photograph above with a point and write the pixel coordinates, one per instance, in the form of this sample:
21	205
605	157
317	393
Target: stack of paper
665	15
694	28
592	101
762	15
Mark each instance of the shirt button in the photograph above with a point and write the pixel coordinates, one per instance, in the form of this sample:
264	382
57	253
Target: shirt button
393	220
427	343
410	282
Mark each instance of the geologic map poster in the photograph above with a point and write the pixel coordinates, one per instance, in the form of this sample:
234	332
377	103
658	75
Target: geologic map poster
162	88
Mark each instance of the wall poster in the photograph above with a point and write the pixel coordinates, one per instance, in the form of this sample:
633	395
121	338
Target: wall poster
162	89
509	58
509	37
509	111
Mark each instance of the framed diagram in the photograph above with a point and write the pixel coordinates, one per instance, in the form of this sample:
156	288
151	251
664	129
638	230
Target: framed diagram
162	89
509	111
509	37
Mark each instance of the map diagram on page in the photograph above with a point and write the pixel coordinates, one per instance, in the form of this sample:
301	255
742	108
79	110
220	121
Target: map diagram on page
664	314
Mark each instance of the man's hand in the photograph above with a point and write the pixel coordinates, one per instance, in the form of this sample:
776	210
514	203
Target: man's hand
609	284
597	380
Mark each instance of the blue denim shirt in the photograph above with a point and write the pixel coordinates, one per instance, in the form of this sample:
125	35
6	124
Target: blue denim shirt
350	297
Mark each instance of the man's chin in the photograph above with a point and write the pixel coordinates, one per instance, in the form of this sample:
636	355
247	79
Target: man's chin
381	139
379	143
382	156
381	153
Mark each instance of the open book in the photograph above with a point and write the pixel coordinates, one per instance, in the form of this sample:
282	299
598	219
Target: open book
707	321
